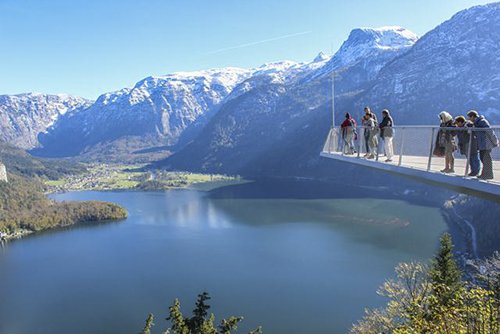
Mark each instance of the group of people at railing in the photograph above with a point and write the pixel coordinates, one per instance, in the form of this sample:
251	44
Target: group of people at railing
372	131
473	138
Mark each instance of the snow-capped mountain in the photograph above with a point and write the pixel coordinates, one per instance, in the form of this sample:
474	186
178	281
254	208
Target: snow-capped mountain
282	72
153	113
24	116
454	67
146	121
364	43
365	52
274	104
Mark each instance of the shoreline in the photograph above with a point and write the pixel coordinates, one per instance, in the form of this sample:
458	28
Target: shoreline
458	228
16	235
199	186
58	191
122	177
23	233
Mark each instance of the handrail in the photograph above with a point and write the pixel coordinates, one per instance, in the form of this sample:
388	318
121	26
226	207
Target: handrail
414	146
437	126
494	127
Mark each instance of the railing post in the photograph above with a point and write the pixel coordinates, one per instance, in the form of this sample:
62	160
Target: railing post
343	138
330	146
402	144
378	144
337	138
430	150
341	132
359	143
330	141
469	131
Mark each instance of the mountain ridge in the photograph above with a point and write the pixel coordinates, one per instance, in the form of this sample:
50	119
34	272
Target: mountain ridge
24	116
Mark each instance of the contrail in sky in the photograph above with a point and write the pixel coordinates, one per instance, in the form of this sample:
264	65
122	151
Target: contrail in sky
259	42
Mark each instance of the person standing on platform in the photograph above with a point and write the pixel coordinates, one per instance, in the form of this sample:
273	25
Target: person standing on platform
387	133
348	127
365	122
446	140
372	137
366	131
464	138
486	141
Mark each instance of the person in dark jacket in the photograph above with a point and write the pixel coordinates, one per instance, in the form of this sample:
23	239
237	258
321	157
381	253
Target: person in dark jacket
486	141
365	123
348	127
386	133
464	138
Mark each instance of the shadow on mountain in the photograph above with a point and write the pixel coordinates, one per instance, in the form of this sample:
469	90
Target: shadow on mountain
154	149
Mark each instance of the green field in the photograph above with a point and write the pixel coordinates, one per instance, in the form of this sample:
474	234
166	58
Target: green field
122	177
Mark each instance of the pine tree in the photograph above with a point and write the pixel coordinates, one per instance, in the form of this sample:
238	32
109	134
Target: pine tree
149	324
446	277
199	313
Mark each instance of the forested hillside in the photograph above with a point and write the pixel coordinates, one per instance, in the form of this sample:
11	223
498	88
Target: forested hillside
24	207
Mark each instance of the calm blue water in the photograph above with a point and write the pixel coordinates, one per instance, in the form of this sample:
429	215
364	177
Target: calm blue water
288	260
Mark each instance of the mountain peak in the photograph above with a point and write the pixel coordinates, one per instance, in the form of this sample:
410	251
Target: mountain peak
365	41
388	37
321	57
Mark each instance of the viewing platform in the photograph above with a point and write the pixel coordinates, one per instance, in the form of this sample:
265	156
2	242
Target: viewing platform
413	158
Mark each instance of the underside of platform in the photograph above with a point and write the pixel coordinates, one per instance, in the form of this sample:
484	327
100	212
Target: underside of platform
414	167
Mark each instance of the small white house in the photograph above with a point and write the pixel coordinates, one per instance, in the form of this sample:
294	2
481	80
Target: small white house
3	173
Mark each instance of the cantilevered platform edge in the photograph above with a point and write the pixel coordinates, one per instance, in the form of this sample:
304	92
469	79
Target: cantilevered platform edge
457	183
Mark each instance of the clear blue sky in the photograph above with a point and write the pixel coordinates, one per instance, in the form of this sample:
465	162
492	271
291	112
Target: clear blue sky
89	47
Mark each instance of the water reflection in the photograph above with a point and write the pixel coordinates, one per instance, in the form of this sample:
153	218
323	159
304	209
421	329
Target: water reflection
179	208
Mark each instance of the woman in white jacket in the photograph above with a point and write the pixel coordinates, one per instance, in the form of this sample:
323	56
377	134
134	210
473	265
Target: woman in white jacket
446	140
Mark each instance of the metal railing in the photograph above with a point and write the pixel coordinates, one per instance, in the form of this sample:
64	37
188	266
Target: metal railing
423	147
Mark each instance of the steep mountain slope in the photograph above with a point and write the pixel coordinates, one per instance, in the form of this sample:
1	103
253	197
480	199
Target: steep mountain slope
268	111
454	67
153	113
23	117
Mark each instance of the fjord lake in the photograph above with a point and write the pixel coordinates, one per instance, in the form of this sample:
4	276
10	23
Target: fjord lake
293	257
